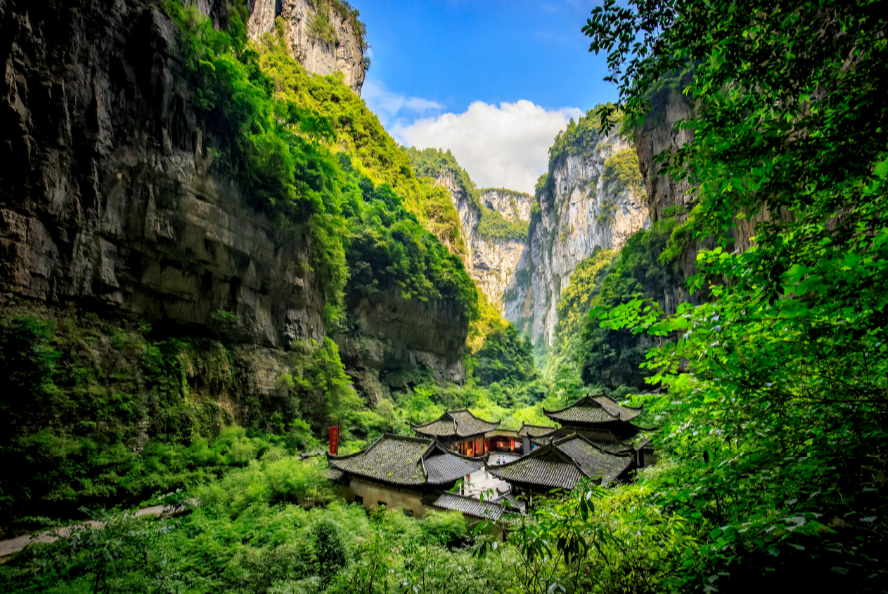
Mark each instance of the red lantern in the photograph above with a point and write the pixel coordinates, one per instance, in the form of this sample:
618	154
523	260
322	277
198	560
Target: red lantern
334	440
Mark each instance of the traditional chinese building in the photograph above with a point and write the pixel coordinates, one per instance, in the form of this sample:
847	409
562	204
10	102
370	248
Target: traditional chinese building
460	430
562	464
607	424
399	471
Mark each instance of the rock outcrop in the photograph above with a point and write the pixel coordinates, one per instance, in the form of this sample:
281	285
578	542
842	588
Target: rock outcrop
324	38
514	206
490	262
580	208
107	196
109	203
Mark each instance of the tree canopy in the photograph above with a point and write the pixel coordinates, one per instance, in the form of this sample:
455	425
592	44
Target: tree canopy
777	383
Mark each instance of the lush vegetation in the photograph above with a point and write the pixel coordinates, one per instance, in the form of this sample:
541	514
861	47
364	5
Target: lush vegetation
281	120
774	387
771	391
621	171
95	413
577	299
495	227
264	529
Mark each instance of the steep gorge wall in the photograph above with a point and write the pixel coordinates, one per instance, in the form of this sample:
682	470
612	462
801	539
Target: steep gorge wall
341	51
579	209
489	261
110	203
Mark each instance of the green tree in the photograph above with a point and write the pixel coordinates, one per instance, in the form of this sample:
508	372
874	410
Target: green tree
777	383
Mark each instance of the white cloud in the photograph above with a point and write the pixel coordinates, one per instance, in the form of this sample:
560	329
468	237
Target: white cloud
504	146
393	108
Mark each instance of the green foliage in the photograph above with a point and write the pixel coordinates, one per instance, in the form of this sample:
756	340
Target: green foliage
320	26
96	414
271	143
577	299
777	383
282	120
495	227
507	360
316	387
358	133
435	163
611	357
391	252
446	527
621	171
580	138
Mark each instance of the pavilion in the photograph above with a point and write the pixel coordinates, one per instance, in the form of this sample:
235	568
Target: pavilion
562	464
400	471
607	424
460	430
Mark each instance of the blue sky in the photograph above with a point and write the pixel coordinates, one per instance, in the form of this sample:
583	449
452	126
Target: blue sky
492	80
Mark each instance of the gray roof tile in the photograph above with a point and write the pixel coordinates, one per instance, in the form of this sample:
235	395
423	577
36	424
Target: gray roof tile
563	463
455	423
485	510
593	409
411	461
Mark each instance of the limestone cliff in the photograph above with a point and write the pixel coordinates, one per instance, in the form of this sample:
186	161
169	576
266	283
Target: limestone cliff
514	206
588	198
324	35
659	134
110	201
490	260
493	222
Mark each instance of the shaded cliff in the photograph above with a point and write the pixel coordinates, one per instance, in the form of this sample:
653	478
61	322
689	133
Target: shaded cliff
115	198
111	201
591	197
326	36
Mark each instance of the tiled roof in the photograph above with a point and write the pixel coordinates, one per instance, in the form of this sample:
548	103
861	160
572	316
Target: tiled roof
535	430
485	510
543	441
549	471
401	460
336	476
562	464
456	423
592	459
502	433
593	409
445	467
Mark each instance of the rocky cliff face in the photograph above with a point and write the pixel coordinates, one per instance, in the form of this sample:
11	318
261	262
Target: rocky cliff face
662	193
324	43
490	262
514	206
109	203
580	207
108	199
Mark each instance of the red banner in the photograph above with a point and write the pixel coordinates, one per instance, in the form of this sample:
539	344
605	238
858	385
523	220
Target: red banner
334	440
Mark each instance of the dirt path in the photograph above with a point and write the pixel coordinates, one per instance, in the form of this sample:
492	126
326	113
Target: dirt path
14	545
